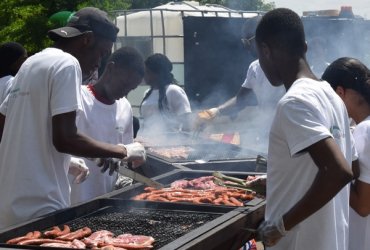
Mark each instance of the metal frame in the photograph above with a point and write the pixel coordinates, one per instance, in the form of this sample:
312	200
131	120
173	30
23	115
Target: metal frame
125	13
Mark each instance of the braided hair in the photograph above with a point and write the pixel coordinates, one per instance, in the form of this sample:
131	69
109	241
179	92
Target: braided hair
162	67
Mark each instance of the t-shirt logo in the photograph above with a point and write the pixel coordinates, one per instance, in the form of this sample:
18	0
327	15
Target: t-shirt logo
336	132
120	129
64	32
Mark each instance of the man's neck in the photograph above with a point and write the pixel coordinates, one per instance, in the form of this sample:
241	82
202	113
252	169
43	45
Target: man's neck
300	69
99	93
362	113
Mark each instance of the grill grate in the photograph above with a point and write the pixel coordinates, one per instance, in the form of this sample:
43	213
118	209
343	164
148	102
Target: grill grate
163	225
200	151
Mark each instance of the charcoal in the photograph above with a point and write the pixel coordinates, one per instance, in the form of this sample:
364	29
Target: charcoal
163	225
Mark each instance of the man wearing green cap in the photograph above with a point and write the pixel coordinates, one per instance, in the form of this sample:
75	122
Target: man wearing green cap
38	120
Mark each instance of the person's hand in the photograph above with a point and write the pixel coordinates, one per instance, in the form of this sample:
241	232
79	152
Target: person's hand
78	169
270	232
109	164
203	117
256	180
135	153
209	114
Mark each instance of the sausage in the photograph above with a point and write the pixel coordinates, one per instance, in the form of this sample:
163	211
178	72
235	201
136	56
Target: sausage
52	233
161	199
227	203
18	239
247	197
79	234
142	196
39	241
65	231
60	245
192	200
205	199
236	202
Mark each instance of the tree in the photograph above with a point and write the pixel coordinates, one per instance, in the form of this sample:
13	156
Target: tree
27	22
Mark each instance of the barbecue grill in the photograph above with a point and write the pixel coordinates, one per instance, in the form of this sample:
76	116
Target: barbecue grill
154	167
201	152
174	226
194	149
241	165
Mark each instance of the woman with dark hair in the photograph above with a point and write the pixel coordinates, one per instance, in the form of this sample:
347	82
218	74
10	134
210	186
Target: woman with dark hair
165	104
12	57
350	79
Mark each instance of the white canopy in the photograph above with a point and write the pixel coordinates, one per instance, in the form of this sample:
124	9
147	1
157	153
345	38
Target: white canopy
166	20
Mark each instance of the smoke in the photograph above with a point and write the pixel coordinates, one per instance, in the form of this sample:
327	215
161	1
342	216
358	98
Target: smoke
252	124
331	38
209	85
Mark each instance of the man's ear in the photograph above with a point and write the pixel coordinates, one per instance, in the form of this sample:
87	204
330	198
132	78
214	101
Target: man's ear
340	91
108	70
109	67
305	47
265	50
88	38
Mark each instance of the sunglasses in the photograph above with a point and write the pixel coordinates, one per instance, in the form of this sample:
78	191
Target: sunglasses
247	42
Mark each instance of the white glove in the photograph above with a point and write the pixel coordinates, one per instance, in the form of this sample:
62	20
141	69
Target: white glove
78	169
270	232
135	153
258	180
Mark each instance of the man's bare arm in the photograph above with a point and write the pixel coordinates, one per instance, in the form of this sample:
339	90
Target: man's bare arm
67	139
244	97
334	173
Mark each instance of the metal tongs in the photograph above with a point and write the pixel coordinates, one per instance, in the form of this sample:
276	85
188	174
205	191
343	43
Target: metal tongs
233	182
202	115
122	168
261	163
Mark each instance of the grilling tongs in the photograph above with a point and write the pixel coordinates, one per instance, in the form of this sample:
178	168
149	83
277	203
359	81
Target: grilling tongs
122	168
232	182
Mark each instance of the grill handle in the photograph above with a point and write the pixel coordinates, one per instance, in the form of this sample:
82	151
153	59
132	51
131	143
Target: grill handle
261	163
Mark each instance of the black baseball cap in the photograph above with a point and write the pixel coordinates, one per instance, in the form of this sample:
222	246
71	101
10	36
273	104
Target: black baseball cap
87	19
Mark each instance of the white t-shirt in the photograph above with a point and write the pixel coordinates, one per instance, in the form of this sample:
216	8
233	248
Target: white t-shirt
153	119
359	227
107	123
267	95
5	84
33	174
309	112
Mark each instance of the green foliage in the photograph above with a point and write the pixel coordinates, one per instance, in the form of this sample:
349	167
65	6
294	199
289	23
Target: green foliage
107	5
27	21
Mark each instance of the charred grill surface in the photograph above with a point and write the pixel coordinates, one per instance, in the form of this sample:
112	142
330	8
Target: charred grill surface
163	225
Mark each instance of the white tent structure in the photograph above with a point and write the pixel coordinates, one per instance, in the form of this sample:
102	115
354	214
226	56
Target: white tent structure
163	28
160	30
